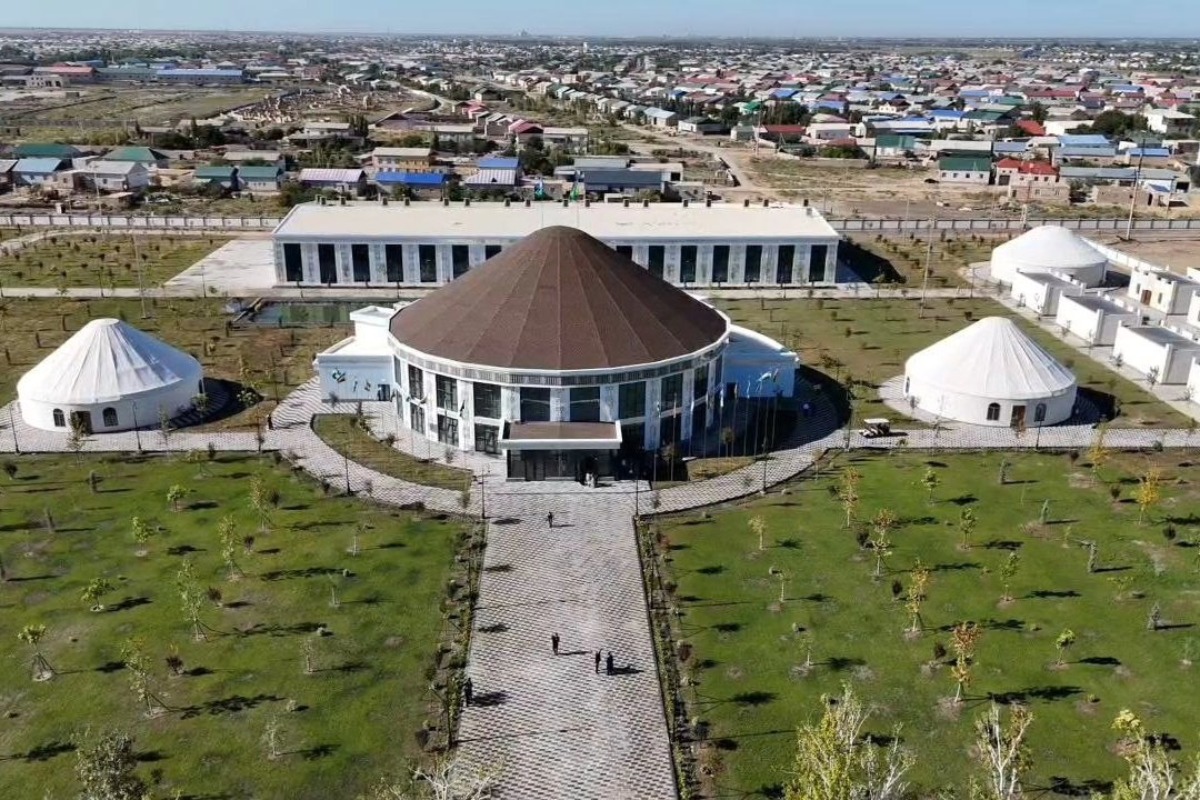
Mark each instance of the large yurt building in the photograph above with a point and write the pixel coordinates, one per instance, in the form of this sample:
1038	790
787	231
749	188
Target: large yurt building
1049	248
990	373
561	354
109	377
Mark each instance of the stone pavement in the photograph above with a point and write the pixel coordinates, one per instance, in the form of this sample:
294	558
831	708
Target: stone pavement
557	729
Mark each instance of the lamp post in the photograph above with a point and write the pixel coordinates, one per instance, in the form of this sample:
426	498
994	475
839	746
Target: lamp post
137	430
657	441
12	426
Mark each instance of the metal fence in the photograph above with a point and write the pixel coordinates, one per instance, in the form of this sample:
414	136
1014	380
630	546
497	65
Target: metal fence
130	221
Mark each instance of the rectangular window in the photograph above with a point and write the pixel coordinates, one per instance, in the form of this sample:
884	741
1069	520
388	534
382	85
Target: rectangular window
669	429
427	259
327	262
720	264
787	258
657	260
487	400
393	255
535	405
487	439
447	393
753	263
360	262
447	430
816	263
460	259
491	250
625	250
631	400
416	383
687	263
633	436
700	383
416	418
293	263
585	404
672	392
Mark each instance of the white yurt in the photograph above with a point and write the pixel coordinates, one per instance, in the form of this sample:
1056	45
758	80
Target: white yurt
109	377
1049	248
990	373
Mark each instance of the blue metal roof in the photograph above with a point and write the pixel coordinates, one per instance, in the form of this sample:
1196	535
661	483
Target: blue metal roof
412	178
37	166
1084	140
626	177
499	162
1149	152
199	73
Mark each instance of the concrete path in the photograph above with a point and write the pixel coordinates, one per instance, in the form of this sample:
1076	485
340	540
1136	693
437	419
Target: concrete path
557	728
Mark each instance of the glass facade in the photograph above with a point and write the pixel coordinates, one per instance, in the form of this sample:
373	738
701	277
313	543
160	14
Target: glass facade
753	263
687	263
416	383
720	263
447	430
427	259
491	250
787	259
293	263
447	393
393	256
360	263
487	400
460	259
585	404
631	400
487	439
657	260
700	383
535	404
416	418
672	392
327	263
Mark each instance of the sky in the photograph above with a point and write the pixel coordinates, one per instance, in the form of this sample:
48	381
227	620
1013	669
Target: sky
781	18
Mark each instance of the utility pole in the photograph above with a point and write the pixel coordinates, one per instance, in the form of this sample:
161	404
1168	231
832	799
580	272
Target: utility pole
141	286
12	426
928	262
1137	179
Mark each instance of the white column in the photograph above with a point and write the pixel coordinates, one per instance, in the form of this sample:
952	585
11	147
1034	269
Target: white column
445	270
770	263
685	427
704	264
510	403
737	263
466	417
653	394
609	398
559	405
312	268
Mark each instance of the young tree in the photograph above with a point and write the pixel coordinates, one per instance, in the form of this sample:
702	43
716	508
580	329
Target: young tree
1154	618
930	481
230	541
271	737
137	663
1152	774
964	640
1062	643
1149	492
262	500
140	530
1008	571
916	596
966	526
1098	453
1093	556
77	435
105	767
882	524
847	492
1000	748
95	591
758	527
191	599
175	495
32	635
834	761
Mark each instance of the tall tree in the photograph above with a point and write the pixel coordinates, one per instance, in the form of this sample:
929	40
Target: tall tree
105	767
1000	748
834	761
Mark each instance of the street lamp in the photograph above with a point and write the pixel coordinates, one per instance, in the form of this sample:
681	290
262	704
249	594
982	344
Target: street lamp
12	426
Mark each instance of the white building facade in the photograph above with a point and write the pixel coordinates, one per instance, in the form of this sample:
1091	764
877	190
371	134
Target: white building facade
427	244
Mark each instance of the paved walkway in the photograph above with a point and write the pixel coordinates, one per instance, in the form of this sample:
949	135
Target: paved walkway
559	729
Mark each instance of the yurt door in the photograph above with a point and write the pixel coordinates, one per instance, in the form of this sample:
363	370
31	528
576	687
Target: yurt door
1018	417
82	420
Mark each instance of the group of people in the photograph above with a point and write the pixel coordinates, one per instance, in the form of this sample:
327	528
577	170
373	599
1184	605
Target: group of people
598	656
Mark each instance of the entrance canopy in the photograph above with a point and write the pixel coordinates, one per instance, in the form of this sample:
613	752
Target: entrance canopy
561	436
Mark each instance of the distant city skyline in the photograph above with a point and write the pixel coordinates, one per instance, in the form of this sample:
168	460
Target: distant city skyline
765	18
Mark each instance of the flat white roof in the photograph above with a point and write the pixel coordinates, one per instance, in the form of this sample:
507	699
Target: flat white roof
606	221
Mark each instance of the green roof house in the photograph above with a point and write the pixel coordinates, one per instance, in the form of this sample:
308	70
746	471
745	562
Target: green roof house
36	150
224	176
965	169
260	180
146	156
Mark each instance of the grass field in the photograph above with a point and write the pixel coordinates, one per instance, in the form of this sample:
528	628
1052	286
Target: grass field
871	339
354	717
101	260
344	435
748	650
274	360
886	260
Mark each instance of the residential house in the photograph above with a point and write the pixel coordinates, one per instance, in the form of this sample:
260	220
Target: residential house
260	179
1162	290
1161	352
622	181
267	157
6	174
314	132
416	184
1014	172
115	176
965	169
1169	122
146	156
225	176
891	145
37	171
703	126
62	152
347	181
661	118
572	140
402	159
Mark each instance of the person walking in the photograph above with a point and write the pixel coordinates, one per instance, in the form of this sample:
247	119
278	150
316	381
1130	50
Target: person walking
597	662
608	663
549	519
554	642
469	691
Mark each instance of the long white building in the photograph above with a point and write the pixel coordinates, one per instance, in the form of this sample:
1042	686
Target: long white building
430	244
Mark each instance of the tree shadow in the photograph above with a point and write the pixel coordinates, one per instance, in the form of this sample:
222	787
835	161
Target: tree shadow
753	699
1103	661
498	627
315	753
1044	594
788	544
1087	788
625	670
499	568
489	699
128	603
727	627
181	550
961	566
110	667
1045	693
44	752
817	597
307	572
963	500
277	629
715	569
1003	544
841	664
227	705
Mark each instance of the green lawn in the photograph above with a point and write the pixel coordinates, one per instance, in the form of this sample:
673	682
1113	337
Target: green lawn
341	432
748	649
871	339
901	259
355	717
104	260
274	360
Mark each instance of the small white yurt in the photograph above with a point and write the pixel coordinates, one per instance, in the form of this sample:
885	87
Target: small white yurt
109	377
990	373
1049	248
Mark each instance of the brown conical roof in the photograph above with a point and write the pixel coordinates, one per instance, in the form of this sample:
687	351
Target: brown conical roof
558	300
